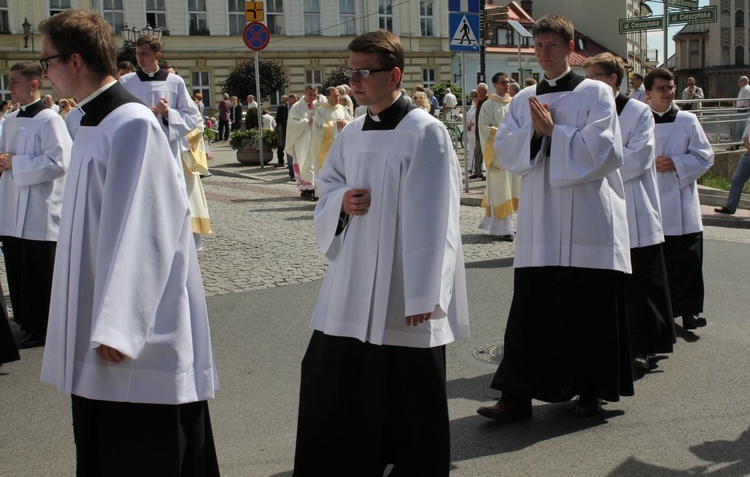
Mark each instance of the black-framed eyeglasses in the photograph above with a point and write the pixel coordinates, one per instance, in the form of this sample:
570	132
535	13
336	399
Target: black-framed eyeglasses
348	72
44	62
596	75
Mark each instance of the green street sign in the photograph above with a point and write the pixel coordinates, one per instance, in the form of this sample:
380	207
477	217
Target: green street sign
683	3
704	15
635	24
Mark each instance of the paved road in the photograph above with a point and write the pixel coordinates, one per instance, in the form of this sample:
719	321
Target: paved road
261	272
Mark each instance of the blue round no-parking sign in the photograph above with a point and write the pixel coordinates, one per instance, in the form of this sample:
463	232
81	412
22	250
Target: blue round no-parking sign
256	36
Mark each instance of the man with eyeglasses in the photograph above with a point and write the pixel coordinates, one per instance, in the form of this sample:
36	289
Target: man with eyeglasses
128	335
649	308
683	154
501	194
329	120
373	385
566	333
34	157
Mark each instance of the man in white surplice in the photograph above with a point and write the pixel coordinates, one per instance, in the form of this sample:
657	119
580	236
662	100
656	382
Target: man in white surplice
128	336
394	294
329	119
567	328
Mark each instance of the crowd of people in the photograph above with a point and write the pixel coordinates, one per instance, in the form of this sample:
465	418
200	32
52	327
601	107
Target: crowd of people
608	245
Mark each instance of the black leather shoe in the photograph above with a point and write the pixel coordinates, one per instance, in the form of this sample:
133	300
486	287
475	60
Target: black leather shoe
691	322
723	210
588	406
507	238
506	411
640	361
33	340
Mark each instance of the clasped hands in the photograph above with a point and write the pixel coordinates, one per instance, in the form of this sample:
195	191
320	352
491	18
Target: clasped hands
541	118
161	108
6	161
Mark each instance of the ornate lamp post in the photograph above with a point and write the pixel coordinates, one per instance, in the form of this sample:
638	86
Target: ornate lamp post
27	33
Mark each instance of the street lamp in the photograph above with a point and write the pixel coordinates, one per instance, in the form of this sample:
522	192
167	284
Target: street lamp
26	32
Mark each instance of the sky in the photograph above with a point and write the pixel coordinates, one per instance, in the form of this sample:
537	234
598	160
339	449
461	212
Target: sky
656	38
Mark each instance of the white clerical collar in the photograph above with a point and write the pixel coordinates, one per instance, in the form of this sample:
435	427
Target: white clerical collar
662	113
553	81
375	117
23	108
95	94
151	75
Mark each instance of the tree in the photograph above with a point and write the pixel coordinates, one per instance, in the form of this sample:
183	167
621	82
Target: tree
439	90
337	76
241	81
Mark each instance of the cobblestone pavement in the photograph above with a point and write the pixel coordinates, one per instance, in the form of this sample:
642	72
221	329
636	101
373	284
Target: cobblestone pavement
263	237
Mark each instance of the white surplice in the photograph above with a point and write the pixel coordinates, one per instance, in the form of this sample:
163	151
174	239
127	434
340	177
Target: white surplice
299	137
404	256
325	130
684	141
31	192
126	269
572	206
183	113
639	174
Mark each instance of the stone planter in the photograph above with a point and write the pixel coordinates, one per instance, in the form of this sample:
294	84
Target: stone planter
252	158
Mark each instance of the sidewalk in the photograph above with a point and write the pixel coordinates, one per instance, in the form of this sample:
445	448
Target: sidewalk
225	163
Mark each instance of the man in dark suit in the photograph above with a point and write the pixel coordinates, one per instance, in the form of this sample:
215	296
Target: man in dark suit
235	113
282	114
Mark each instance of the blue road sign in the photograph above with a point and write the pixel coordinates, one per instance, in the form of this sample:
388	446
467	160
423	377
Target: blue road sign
256	36
465	6
464	31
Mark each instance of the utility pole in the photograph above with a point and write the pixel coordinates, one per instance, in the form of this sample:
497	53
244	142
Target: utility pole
480	73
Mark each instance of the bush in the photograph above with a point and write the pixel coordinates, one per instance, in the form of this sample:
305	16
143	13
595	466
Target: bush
251	118
248	140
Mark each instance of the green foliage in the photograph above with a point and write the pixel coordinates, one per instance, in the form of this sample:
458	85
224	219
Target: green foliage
251	118
719	182
247	140
241	81
336	77
439	90
209	133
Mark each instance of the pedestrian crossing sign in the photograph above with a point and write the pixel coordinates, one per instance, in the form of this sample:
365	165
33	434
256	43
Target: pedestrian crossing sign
464	31
465	6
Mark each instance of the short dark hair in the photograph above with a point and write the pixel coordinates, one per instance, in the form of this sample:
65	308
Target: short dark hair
496	77
84	32
153	43
125	65
661	73
609	63
385	44
330	90
29	70
556	24
637	75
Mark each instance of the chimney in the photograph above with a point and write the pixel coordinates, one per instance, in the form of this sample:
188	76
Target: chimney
527	6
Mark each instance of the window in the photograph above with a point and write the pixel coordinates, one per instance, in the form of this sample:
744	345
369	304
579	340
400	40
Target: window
426	19
311	13
56	6
739	18
739	55
201	85
346	18
236	17
314	77
198	18
385	15
428	77
510	37
156	13
4	26
275	16
112	12
4	93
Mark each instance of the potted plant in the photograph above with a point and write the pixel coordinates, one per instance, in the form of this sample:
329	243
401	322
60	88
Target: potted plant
246	143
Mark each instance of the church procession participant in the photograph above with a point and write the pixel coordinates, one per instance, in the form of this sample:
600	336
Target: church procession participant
501	194
169	99
330	119
649	309
567	329
34	157
128	335
298	138
373	385
683	154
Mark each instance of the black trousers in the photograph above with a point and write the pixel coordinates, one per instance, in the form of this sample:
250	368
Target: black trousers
8	348
29	265
363	407
567	334
684	257
223	129
649	307
122	439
